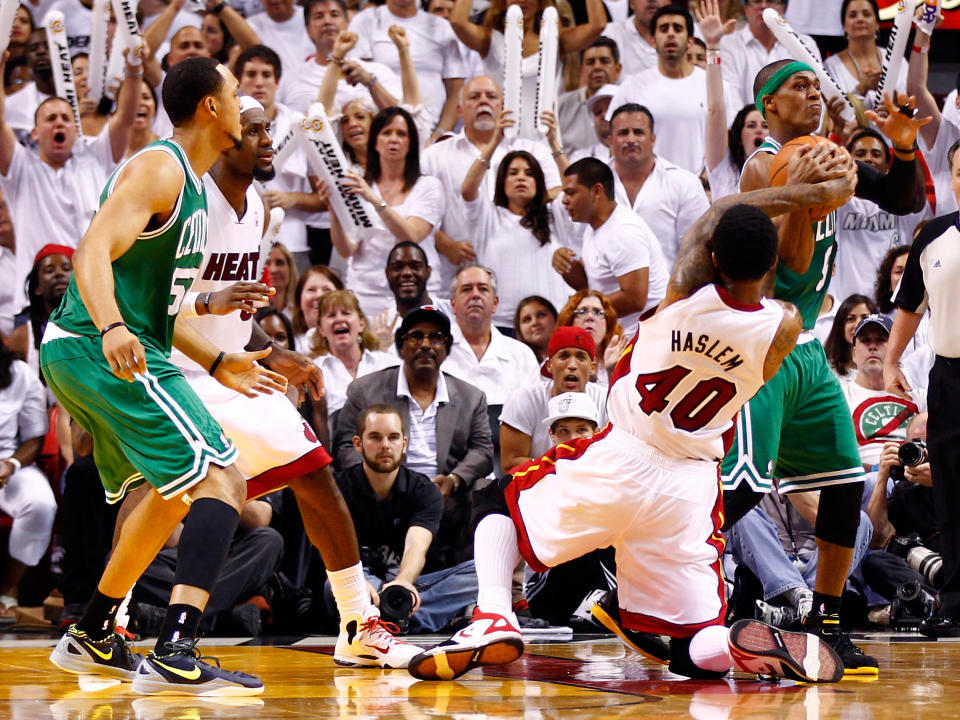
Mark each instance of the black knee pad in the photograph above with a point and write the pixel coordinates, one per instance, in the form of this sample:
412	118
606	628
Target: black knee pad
838	515
681	664
737	503
204	542
490	500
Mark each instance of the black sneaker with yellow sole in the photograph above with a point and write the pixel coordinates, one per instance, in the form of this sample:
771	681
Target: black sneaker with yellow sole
79	653
183	672
606	611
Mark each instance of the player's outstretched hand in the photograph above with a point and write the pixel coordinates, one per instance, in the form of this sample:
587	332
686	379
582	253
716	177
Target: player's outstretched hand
240	372
123	351
895	382
298	369
248	296
901	123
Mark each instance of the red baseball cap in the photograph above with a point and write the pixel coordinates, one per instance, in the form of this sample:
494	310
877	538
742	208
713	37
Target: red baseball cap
52	249
568	336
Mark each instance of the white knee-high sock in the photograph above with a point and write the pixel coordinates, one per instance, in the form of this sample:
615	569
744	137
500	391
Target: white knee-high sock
349	589
495	555
710	649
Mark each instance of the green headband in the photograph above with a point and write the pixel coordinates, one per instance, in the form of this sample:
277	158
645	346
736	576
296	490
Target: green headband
777	79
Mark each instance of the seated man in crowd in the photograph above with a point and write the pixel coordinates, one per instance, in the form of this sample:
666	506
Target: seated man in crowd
449	432
572	361
396	512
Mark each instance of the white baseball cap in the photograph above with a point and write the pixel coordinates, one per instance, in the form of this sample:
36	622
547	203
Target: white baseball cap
607	91
571	405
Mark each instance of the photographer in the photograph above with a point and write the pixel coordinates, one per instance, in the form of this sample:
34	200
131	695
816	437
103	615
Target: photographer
396	512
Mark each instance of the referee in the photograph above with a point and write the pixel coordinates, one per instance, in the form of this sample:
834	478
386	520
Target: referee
931	280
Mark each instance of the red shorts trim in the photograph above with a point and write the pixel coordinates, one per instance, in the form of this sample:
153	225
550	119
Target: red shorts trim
278	477
529	474
650	624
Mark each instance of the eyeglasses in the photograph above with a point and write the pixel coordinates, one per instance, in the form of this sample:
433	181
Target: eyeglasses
415	337
596	312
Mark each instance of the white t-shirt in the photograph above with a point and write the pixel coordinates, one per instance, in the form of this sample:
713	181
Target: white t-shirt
624	243
848	83
522	265
449	161
724	179
815	17
300	88
636	54
527	408
20	108
10	298
365	272
336	377
288	38
78	19
743	56
506	365
23	409
864	235
51	205
433	47
936	157
576	120
873	412
679	108
670	201
596	150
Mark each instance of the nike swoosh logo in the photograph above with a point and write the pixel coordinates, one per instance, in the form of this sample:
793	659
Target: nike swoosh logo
103	656
186	675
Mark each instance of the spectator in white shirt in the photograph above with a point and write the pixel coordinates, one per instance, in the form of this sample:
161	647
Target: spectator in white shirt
667	197
434	49
409	204
282	28
344	346
597	106
572	361
481	354
752	47
599	67
55	191
675	91
634	37
20	109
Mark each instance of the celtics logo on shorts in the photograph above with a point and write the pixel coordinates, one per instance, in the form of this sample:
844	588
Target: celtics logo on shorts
882	418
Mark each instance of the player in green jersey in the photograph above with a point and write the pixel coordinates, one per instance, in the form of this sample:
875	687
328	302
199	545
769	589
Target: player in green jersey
105	357
798	427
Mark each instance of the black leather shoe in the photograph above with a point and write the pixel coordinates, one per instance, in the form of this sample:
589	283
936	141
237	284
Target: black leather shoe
939	627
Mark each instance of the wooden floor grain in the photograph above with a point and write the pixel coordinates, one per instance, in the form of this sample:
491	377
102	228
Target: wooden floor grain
585	680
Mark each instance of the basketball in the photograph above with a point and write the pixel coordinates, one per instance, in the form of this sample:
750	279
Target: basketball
778	168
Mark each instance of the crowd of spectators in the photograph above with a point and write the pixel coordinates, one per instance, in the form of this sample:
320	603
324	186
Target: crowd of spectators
481	321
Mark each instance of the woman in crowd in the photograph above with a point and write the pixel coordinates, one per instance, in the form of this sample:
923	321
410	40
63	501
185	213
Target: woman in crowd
533	324
283	278
888	275
355	122
312	285
276	325
20	33
591	310
344	346
726	149
410	206
487	38
839	344
143	134
516	232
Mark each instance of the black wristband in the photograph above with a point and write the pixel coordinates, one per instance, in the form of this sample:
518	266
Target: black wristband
216	10
216	363
206	303
906	150
111	326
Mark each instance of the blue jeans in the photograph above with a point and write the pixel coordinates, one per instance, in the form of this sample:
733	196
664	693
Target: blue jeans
754	543
444	594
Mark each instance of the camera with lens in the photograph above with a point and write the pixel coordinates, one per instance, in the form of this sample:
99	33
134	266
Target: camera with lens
922	559
913	453
396	606
911	606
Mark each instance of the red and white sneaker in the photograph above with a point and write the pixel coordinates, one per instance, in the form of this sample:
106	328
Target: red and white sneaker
490	639
765	650
367	641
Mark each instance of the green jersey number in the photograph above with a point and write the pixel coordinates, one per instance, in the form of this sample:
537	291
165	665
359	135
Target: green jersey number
182	280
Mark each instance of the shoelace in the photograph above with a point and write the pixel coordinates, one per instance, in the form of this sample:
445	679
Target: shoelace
380	628
188	646
844	645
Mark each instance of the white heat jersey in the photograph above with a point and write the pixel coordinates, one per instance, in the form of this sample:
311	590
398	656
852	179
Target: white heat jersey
690	369
233	250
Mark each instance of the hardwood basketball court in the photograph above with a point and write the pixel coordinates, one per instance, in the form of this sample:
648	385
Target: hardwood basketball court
584	678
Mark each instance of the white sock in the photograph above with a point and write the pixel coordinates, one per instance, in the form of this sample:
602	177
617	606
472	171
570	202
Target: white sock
349	589
495	555
710	649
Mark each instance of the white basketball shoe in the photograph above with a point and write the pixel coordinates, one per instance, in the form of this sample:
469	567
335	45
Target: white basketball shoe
367	641
490	639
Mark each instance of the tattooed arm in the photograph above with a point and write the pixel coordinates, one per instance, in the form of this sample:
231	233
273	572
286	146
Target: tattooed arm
784	341
695	268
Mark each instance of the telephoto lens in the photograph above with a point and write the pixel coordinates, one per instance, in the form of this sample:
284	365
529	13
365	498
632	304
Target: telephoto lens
396	606
913	453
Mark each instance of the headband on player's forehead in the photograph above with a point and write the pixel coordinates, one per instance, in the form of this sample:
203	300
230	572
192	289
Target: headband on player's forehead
249	103
777	79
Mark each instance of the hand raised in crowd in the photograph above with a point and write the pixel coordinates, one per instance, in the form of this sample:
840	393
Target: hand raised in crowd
617	344
711	22
399	36
382	326
124	353
901	123
505	119
841	127
249	296
299	370
343	44
240	372
549	119
354	184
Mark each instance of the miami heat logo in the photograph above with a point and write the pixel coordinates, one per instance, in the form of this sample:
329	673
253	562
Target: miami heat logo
314	123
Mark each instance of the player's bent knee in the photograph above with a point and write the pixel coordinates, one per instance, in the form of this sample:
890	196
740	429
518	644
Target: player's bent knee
838	514
222	483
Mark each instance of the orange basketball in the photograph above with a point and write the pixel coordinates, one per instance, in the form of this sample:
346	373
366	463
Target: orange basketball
778	168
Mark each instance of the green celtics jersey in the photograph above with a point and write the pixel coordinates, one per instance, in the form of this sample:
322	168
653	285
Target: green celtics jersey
152	276
807	290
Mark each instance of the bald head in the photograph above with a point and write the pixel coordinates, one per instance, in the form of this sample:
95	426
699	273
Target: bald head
480	101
